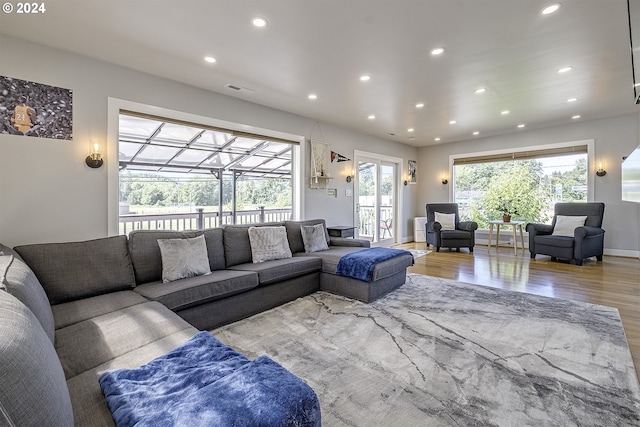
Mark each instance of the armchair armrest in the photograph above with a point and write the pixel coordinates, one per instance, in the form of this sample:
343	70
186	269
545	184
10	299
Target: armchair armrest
344	241
467	225
433	226
540	229
586	231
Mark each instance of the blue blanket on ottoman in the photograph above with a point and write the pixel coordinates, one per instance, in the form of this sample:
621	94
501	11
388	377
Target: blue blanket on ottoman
360	264
206	383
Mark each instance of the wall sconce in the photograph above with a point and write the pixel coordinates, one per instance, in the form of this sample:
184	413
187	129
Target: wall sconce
350	176
445	181
94	160
601	171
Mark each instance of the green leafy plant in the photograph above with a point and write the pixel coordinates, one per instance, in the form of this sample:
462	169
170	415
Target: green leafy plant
508	207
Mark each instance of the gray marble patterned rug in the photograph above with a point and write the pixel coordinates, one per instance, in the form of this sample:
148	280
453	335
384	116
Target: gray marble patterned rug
436	352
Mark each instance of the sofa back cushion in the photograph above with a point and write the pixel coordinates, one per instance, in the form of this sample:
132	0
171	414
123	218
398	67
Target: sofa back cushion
237	247
147	259
33	389
75	270
17	279
294	234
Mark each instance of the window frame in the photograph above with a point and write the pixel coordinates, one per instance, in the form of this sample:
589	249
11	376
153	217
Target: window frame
591	162
115	106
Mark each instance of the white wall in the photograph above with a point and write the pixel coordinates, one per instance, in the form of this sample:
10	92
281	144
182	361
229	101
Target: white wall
48	194
614	138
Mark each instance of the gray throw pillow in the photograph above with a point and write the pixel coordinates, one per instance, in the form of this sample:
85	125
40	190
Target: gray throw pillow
268	243
313	238
183	258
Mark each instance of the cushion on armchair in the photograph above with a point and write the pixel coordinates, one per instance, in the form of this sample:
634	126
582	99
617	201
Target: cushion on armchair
447	221
565	225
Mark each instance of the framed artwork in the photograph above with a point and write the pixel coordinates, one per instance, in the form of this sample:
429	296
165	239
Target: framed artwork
35	109
413	171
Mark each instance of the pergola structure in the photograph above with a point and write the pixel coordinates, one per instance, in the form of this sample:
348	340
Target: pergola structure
154	144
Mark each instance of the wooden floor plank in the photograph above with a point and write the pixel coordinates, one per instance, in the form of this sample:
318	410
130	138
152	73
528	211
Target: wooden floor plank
614	282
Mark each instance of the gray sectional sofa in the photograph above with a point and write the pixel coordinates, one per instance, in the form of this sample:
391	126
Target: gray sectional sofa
71	311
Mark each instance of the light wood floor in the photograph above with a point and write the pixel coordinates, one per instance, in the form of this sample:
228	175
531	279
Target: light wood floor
615	282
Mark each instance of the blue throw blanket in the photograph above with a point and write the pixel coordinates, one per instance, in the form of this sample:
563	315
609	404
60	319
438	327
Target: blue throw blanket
206	383
360	264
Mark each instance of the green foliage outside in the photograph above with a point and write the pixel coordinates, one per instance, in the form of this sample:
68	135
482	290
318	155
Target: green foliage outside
487	190
152	193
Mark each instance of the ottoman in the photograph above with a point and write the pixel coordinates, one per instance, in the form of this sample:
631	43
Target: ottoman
387	275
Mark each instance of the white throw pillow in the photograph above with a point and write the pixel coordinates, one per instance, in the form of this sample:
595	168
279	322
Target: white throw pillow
268	243
183	258
565	225
314	238
447	221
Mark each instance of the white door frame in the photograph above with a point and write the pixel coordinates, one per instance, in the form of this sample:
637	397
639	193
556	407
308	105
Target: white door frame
398	203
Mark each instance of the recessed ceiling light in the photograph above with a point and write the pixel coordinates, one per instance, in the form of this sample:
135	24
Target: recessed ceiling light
551	8
505	112
577	116
365	78
521	125
312	96
437	51
480	90
436	139
572	99
410	130
210	59
259	22
476	133
565	69
452	122
419	105
371	116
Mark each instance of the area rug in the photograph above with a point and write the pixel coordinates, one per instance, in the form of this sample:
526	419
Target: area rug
417	253
436	352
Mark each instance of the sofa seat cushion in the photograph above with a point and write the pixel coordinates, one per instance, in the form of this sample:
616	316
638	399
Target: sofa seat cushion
33	391
68	313
147	258
281	269
192	291
75	270
85	345
89	405
557	241
384	269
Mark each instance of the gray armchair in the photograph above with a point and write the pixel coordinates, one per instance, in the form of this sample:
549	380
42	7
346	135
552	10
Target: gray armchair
586	242
462	237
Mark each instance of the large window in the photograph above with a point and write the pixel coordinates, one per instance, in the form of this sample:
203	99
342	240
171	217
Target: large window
177	175
527	184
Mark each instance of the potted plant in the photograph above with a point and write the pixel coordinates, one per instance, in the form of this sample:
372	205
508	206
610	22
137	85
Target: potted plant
508	209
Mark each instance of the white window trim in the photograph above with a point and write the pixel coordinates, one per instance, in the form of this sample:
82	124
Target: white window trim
115	105
591	160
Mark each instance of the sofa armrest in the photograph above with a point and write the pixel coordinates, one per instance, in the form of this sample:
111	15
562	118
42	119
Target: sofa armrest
467	225
345	241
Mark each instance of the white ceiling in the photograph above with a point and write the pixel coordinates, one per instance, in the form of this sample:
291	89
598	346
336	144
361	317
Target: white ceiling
324	46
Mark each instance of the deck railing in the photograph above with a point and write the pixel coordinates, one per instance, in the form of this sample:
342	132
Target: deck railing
366	220
199	219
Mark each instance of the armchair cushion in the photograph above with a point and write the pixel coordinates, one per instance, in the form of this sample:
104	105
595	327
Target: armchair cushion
448	221
565	225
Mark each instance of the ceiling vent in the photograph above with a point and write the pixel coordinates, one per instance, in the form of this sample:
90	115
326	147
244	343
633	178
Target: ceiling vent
239	89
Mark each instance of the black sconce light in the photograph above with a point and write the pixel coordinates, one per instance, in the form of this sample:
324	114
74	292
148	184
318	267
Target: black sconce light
601	171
